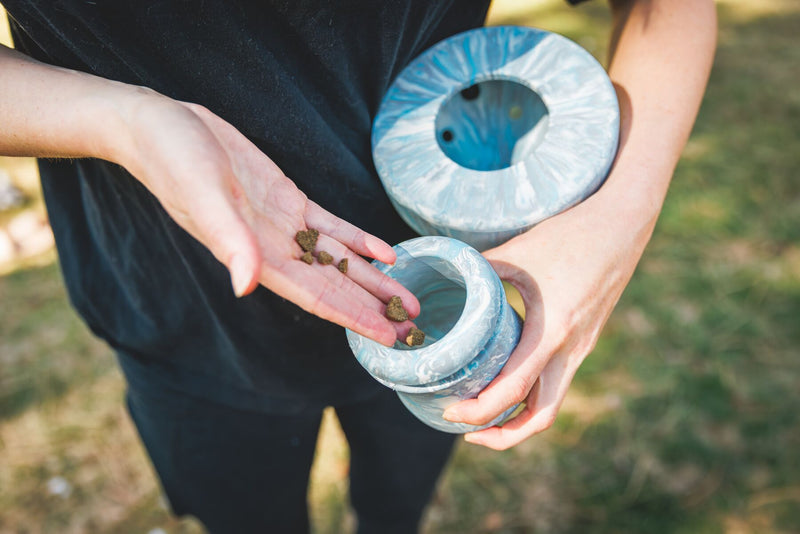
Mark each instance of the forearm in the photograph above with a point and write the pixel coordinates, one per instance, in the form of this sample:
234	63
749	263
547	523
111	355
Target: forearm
661	56
53	112
213	181
572	268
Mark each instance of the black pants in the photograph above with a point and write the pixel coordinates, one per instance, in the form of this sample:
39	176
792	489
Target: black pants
242	472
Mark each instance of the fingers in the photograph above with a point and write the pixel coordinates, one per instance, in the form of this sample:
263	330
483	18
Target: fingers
353	237
328	294
355	300
374	293
506	391
368	276
539	415
540	412
512	385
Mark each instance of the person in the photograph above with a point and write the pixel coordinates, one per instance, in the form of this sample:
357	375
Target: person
185	144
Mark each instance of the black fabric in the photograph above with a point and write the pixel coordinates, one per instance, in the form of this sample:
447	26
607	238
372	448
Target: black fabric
395	461
303	80
247	472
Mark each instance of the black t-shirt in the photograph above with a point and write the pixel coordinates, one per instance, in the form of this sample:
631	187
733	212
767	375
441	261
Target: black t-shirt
303	80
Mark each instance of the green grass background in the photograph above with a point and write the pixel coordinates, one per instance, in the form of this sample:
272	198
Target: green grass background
684	418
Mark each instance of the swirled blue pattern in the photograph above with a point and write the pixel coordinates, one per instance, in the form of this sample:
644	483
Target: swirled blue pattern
494	130
464	311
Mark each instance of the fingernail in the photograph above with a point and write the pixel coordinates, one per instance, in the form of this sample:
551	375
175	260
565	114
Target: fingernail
452	415
240	277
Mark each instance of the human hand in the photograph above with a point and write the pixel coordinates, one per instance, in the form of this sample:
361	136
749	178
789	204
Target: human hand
570	271
572	268
232	198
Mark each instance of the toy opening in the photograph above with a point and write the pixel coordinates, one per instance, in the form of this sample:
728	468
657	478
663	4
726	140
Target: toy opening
442	295
491	125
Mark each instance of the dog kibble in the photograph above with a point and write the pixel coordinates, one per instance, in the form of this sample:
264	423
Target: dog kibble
343	266
395	311
307	239
324	258
308	258
415	337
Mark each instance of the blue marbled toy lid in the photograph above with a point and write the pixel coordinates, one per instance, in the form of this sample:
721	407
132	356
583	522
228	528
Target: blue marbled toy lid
483	200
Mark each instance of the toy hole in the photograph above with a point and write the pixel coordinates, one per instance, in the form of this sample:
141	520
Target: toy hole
471	93
497	124
442	295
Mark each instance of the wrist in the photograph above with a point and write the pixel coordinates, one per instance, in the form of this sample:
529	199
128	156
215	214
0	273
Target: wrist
54	112
110	126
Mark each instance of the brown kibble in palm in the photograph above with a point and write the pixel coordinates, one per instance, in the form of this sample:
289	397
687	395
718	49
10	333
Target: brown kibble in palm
324	258
307	239
415	337
308	258
343	266
395	310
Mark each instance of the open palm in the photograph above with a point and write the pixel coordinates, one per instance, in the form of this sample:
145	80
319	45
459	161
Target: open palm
232	198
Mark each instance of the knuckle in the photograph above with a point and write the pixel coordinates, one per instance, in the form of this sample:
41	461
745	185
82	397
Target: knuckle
384	283
360	238
517	390
481	415
560	334
503	446
198	109
548	420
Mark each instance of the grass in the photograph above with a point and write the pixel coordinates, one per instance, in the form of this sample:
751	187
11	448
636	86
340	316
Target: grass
684	419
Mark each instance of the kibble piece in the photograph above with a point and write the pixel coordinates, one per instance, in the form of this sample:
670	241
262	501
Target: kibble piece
395	310
307	239
324	258
415	337
343	266
308	258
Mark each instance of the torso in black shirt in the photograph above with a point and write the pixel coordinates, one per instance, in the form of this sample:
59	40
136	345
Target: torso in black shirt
302	80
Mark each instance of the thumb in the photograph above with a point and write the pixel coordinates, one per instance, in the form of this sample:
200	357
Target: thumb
224	232
243	269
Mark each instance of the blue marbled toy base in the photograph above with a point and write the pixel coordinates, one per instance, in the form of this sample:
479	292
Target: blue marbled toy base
470	330
428	407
